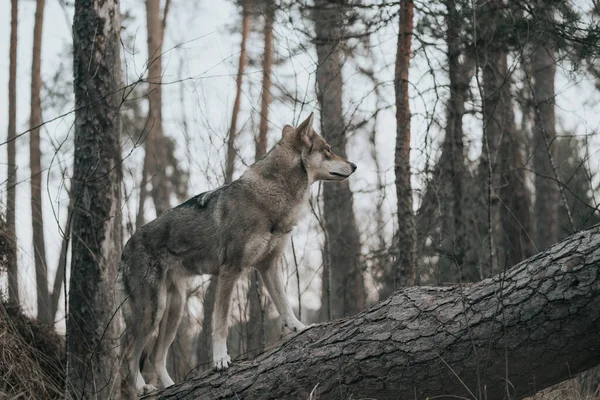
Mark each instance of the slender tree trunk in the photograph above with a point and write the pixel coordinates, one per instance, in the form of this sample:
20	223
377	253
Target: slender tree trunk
93	324
231	151
267	64
544	133
256	323
11	182
510	336
404	265
35	155
343	240
156	147
140	220
205	335
510	200
62	261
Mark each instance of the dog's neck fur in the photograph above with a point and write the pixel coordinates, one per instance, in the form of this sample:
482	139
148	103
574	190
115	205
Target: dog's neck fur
281	184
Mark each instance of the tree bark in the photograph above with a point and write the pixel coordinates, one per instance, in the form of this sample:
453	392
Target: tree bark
232	134
35	155
93	324
156	146
267	64
342	237
521	331
544	133
11	150
256	326
404	265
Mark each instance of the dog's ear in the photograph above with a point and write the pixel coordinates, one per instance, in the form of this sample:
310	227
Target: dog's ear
305	132
286	131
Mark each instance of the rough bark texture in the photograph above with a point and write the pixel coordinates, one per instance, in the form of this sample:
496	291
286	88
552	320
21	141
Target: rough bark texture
231	151
11	182
404	265
342	237
156	146
35	155
532	326
547	201
93	325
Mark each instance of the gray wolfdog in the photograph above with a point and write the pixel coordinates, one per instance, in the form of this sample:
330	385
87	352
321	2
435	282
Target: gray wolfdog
244	224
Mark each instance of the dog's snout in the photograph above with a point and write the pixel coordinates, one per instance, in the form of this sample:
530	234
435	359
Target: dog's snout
353	166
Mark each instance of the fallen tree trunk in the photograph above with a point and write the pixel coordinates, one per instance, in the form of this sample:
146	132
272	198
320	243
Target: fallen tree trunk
509	336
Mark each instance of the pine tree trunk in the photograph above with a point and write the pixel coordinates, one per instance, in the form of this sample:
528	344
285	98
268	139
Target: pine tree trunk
256	326
11	182
156	147
231	151
93	324
544	133
404	265
342	237
528	328
35	155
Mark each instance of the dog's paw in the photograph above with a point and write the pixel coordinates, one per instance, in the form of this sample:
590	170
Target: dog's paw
146	390
295	326
222	363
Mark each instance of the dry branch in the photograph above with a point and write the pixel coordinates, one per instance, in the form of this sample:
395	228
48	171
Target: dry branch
530	327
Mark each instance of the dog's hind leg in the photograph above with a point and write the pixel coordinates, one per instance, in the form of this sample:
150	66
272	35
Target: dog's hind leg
145	318
220	322
167	332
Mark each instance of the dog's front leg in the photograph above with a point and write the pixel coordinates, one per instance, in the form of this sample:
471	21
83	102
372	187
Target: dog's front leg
220	320
272	280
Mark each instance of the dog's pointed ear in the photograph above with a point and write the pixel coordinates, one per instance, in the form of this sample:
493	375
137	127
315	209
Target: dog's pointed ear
305	131
287	130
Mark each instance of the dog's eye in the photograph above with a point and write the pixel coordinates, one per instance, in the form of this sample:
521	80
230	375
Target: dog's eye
328	150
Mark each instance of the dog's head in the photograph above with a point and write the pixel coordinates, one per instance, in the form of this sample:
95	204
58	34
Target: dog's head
321	163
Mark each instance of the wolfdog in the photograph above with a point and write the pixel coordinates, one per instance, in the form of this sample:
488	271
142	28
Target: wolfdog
244	224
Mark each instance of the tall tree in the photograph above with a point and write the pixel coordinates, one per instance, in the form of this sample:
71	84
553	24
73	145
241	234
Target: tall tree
404	265
230	162
342	254
156	158
11	182
503	153
39	245
256	323
543	65
93	324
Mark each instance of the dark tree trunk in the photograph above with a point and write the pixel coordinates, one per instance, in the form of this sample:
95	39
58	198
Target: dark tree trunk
510	198
35	155
156	145
204	341
231	151
59	278
342	237
93	324
543	65
11	182
404	266
509	336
